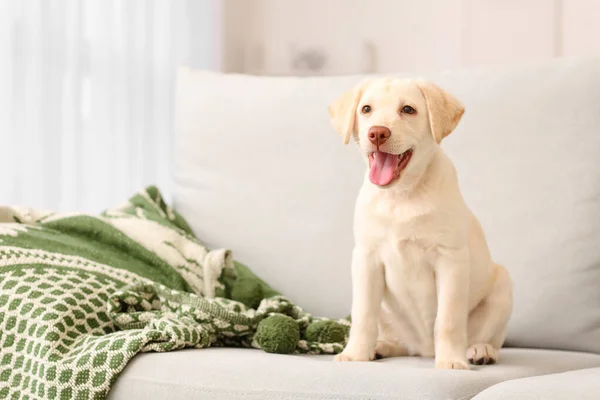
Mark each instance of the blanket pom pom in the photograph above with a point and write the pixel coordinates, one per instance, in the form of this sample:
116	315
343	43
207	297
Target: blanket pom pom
326	331
278	334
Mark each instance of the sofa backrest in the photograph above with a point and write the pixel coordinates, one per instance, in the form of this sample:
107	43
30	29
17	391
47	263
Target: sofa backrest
259	169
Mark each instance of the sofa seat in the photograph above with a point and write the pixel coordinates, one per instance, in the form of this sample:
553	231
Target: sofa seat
582	384
219	373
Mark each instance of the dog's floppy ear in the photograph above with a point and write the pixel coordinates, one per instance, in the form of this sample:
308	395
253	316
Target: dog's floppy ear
343	111
444	110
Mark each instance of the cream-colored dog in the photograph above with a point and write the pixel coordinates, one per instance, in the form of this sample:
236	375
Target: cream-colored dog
423	282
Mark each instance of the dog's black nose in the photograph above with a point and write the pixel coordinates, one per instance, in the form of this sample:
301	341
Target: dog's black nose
379	134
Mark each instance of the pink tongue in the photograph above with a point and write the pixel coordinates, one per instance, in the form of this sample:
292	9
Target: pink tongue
383	168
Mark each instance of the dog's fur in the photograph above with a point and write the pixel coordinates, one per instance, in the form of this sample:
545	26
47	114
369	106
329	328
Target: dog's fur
423	282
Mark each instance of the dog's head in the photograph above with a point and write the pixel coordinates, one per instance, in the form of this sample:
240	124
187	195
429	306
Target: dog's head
396	123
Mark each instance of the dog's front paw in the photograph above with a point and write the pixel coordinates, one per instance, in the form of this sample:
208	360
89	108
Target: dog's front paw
457	364
348	355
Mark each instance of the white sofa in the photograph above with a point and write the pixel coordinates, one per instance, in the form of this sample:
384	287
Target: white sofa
259	169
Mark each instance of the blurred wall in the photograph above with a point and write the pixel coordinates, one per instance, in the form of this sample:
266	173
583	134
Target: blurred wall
205	23
322	37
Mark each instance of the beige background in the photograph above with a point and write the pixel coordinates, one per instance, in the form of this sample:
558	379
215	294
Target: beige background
362	36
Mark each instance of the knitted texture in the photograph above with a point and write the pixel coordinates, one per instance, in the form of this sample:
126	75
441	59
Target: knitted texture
278	334
80	295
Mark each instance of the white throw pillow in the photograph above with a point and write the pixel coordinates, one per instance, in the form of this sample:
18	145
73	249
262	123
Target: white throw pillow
259	169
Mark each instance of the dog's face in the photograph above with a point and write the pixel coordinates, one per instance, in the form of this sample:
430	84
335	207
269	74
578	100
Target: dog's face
396	123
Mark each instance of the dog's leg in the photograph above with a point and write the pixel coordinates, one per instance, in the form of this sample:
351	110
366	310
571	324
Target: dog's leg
450	332
488	321
367	293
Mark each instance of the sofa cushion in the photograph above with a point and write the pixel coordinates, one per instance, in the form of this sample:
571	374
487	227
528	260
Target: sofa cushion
219	374
259	169
581	385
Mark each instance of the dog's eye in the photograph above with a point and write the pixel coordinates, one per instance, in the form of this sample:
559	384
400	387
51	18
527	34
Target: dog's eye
366	109
408	110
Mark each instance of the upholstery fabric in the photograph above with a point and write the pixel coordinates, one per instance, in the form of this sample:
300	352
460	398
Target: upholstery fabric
232	374
581	385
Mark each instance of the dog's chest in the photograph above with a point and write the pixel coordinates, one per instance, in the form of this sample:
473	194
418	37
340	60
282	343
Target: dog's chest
408	265
404	236
410	290
395	222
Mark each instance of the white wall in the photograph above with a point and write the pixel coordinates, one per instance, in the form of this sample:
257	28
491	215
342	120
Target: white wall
356	36
205	23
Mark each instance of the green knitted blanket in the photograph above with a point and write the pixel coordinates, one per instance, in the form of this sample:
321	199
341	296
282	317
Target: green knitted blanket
81	295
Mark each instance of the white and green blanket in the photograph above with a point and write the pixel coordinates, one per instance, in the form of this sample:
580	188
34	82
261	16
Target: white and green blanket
80	295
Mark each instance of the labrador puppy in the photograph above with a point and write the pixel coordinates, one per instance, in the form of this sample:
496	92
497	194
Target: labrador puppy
423	281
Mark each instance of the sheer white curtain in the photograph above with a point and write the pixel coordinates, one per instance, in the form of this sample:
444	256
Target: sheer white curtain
86	97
